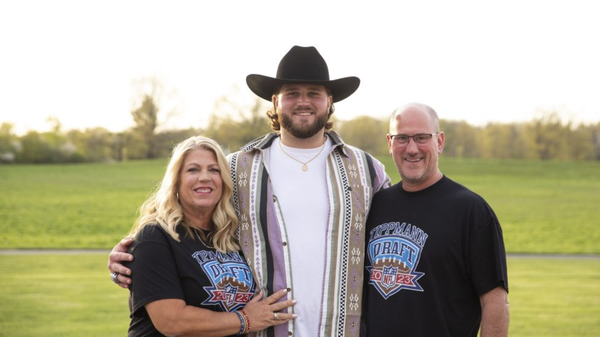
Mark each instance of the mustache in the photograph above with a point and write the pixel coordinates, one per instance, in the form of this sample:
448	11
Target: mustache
304	109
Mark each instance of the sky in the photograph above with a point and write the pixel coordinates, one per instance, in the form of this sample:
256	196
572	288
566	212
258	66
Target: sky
477	61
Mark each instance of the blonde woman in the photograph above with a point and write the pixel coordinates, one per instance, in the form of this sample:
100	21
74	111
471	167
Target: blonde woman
190	276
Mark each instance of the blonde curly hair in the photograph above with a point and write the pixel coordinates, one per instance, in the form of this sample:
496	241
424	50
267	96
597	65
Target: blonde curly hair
163	208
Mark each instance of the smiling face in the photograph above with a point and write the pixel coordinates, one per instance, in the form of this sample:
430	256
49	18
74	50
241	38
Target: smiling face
200	183
416	163
303	109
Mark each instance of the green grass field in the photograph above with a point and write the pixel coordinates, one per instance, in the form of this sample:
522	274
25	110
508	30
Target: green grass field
71	296
60	295
544	207
72	206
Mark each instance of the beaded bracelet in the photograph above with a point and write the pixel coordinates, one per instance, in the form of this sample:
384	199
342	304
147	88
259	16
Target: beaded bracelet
242	323
247	320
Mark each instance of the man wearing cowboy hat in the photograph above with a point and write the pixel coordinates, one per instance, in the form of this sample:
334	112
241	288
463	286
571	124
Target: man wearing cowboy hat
302	197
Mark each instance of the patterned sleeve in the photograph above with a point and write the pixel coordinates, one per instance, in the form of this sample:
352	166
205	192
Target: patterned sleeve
382	180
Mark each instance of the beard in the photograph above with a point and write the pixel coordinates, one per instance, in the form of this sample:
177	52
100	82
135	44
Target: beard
303	131
417	176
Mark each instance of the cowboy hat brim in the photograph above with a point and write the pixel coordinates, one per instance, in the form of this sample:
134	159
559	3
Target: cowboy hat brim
264	86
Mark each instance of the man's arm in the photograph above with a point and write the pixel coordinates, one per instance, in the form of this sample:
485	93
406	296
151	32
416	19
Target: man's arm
117	256
495	313
382	179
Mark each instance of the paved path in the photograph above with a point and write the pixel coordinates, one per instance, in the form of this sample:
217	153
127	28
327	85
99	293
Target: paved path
52	251
105	251
557	256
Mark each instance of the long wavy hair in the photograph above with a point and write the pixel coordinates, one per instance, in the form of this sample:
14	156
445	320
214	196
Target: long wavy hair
163	208
274	116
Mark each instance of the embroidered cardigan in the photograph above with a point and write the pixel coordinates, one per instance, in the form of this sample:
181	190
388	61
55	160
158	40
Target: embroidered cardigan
353	176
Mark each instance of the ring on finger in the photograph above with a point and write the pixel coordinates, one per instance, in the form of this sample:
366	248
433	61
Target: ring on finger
275	316
113	277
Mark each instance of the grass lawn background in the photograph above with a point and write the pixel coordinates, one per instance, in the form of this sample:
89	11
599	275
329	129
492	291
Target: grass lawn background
544	207
71	295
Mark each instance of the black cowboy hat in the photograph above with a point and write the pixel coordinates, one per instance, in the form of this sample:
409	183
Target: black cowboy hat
302	65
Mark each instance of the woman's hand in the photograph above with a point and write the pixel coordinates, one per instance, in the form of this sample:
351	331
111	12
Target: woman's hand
263	313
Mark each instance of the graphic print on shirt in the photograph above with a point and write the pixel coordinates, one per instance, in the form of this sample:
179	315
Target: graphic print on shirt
231	278
394	251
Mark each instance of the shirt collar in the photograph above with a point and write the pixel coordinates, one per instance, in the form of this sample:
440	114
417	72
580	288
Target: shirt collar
264	142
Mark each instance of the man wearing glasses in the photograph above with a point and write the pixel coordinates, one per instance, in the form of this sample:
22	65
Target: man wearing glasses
436	264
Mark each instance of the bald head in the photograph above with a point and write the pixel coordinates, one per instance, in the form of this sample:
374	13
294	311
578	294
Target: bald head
414	110
415	142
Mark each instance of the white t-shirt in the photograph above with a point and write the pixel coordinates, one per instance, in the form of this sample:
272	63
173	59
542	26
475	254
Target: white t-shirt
304	202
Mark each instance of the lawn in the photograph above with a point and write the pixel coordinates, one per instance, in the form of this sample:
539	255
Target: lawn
71	295
544	207
72	206
60	295
554	297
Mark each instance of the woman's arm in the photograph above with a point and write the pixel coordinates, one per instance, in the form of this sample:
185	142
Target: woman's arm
172	317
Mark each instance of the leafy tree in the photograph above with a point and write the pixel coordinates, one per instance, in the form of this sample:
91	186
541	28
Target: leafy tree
149	98
34	149
8	143
581	143
462	139
92	145
522	142
547	131
76	139
54	137
366	133
60	148
595	139
235	121
510	141
133	146
146	122
495	141
166	140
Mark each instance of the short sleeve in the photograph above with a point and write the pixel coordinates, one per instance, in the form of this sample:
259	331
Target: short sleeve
487	252
154	269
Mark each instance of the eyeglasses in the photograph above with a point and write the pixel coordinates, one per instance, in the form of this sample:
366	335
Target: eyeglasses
419	138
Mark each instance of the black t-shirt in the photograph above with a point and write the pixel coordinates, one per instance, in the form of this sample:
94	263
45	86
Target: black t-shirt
166	269
430	255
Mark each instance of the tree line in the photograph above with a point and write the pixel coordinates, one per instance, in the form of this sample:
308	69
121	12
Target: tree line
546	137
233	124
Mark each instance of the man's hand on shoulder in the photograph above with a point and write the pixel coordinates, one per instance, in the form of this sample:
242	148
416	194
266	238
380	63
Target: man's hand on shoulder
119	273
